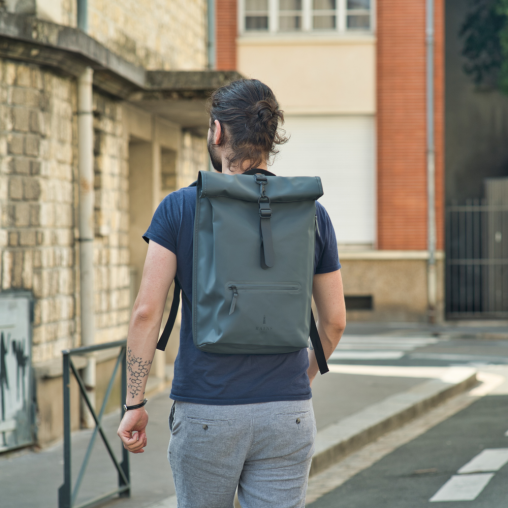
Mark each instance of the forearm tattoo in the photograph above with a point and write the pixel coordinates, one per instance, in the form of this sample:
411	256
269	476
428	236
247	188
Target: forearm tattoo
138	370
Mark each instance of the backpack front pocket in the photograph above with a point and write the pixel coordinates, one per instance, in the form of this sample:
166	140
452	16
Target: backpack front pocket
261	318
264	287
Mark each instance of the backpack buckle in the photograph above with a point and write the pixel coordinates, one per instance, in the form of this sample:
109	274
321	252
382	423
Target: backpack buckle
261	180
265	212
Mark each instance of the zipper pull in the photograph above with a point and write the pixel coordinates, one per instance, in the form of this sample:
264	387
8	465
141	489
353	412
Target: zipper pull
317	226
233	301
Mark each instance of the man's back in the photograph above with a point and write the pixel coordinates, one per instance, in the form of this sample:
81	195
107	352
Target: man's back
207	378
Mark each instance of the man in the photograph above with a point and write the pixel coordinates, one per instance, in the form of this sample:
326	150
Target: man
239	421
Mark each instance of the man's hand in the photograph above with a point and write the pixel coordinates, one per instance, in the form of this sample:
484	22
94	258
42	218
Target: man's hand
132	430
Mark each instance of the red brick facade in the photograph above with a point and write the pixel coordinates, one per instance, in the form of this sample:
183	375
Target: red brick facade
401	124
226	31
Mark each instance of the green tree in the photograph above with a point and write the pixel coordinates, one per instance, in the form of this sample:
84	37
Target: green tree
485	49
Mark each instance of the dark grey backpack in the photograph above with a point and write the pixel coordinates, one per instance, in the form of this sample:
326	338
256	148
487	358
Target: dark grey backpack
253	265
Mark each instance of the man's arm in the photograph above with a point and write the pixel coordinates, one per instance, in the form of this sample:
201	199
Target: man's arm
331	319
158	274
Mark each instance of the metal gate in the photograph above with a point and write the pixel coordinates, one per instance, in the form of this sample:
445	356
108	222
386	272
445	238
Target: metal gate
477	260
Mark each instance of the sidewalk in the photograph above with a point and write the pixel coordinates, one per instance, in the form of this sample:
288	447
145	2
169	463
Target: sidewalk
351	409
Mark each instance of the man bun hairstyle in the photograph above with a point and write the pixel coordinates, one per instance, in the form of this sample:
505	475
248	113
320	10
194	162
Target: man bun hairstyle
249	115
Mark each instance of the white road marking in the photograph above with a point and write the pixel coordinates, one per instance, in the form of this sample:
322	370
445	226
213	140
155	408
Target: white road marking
487	461
367	355
446	374
462	488
354	347
506	433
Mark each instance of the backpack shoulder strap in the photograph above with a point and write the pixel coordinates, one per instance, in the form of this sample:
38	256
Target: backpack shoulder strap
163	341
318	347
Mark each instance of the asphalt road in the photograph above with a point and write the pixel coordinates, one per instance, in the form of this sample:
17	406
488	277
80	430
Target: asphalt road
413	474
427	472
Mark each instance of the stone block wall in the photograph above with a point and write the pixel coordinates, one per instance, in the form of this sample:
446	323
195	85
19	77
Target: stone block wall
155	34
39	207
37	196
111	248
193	158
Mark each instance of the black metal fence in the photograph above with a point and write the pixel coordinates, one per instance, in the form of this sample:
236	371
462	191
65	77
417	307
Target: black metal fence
477	261
67	495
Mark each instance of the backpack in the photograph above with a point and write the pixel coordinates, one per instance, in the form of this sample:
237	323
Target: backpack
253	265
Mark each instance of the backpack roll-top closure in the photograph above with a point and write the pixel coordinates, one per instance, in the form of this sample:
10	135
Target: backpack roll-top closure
245	188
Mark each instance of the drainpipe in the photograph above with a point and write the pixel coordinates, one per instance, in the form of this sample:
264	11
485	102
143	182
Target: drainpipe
211	34
83	15
211	45
431	169
86	218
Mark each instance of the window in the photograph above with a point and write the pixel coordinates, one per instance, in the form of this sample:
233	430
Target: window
256	15
358	14
324	14
290	16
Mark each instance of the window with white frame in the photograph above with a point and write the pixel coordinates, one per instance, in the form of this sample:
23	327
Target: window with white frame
305	15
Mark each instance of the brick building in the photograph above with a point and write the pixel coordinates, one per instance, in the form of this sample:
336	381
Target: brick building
150	71
351	78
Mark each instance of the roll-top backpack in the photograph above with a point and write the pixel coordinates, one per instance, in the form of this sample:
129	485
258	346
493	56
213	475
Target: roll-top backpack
253	265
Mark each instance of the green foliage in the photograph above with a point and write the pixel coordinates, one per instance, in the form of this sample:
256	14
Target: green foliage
482	48
502	11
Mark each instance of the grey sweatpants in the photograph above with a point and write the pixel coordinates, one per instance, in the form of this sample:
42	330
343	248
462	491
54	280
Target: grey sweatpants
264	450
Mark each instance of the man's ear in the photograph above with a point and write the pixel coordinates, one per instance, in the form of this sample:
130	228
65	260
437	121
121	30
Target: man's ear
217	134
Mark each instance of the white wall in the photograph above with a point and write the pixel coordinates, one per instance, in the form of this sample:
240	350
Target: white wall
341	150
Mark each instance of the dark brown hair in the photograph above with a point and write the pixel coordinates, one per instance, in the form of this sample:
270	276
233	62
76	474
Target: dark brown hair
249	115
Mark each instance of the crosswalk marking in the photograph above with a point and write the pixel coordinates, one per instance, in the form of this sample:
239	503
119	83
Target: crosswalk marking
366	355
486	461
462	488
376	347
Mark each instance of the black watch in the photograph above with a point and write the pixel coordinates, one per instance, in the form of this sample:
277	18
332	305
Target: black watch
137	406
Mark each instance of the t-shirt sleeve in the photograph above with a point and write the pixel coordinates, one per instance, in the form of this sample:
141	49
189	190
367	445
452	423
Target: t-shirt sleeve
327	255
164	226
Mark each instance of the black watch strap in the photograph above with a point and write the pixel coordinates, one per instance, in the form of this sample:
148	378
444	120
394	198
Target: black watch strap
136	406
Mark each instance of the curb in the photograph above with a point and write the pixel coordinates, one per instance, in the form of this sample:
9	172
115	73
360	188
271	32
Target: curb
349	435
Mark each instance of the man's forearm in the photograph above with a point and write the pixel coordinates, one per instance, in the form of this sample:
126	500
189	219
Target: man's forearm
141	344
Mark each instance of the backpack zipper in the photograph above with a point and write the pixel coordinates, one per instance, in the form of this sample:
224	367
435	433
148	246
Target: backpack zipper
233	301
317	225
247	287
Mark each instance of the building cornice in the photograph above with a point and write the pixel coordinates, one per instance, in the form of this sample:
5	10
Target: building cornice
70	50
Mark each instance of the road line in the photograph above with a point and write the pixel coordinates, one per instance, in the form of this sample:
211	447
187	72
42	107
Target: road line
488	460
506	433
445	357
374	347
446	374
462	488
367	355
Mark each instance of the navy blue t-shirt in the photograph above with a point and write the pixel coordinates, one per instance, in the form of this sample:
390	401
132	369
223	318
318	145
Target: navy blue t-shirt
208	378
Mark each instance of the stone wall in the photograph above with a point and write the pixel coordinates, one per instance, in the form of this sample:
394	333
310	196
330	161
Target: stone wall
39	207
193	158
111	252
155	34
37	196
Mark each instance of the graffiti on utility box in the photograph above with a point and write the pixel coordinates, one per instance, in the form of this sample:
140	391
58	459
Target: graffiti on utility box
15	375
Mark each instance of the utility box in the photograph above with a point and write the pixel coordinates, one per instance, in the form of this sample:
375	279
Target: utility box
16	406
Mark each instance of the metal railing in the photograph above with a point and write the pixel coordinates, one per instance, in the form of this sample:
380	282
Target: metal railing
477	261
67	495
